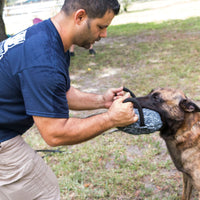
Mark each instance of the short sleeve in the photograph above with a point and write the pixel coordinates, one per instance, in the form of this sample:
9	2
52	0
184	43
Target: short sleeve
44	92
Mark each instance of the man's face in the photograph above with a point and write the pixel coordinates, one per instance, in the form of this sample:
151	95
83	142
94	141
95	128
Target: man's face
93	30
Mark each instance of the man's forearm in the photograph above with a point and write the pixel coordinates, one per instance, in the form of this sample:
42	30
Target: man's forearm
70	131
78	100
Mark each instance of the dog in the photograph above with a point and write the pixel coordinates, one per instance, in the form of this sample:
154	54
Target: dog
180	131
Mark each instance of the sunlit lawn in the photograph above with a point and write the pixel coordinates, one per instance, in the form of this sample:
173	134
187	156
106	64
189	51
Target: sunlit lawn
117	165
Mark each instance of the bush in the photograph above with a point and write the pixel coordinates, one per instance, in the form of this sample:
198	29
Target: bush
124	4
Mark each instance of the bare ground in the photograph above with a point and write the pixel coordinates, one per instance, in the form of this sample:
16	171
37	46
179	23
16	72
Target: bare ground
109	77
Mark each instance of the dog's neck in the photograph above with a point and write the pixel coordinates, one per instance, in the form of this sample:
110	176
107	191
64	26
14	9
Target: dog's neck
168	131
171	127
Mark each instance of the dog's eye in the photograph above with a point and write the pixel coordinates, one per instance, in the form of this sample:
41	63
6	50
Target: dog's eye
156	97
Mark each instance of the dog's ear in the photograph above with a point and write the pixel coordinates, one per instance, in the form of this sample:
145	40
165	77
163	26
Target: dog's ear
189	106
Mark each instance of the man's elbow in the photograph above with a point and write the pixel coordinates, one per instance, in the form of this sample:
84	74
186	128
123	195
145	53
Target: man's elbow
53	142
59	140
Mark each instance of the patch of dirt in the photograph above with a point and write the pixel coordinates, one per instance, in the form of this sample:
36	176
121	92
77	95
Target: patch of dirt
158	11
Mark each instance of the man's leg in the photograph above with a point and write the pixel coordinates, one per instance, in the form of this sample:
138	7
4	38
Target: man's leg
23	173
2	196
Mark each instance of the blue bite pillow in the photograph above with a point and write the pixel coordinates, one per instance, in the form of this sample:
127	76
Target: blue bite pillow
152	121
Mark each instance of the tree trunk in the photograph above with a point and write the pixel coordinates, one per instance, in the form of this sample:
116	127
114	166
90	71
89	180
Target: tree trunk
2	25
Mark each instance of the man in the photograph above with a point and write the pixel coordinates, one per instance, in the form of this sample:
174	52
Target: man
35	88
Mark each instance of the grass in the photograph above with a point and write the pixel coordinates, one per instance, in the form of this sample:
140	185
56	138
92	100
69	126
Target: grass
117	165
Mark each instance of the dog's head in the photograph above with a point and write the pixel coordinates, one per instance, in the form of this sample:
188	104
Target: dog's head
171	104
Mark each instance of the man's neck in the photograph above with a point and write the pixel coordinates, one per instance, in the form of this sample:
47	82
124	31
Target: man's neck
64	25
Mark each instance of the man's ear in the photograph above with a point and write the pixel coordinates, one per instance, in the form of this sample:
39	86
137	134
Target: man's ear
80	16
189	106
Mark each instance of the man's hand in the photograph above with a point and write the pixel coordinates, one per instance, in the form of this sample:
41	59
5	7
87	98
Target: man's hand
122	114
111	95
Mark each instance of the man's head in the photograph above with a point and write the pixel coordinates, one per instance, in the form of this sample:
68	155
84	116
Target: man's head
93	9
85	21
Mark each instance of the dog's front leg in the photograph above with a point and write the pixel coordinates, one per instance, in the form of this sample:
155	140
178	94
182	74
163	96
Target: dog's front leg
187	187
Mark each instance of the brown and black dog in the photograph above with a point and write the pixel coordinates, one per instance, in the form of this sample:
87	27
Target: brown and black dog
181	132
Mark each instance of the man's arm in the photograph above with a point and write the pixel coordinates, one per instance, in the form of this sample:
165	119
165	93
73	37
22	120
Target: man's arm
78	100
70	131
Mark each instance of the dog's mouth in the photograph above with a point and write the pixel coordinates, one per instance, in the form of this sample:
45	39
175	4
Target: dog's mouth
153	109
145	102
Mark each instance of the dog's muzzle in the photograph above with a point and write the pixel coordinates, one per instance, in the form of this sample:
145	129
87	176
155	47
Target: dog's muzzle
149	121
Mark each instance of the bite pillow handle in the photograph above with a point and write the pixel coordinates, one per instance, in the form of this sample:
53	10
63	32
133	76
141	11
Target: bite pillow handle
134	101
127	90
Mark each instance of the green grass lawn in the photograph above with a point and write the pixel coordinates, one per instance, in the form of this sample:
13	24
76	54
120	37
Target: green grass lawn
117	165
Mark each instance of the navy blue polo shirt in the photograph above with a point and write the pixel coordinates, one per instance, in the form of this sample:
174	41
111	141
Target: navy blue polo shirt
34	78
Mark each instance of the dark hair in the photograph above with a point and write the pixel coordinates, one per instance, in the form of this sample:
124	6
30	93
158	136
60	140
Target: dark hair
94	9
